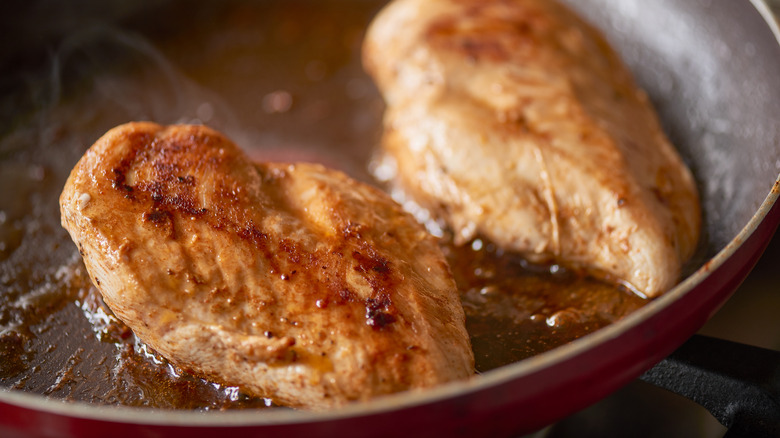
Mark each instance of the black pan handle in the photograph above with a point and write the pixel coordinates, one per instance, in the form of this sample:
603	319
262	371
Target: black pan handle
739	384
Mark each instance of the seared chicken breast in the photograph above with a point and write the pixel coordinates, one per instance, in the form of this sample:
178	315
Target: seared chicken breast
291	280
514	120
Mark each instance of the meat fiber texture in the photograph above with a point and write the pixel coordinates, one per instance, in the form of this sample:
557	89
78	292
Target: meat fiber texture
514	120
292	281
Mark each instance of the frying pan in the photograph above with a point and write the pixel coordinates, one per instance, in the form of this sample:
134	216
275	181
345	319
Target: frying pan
711	68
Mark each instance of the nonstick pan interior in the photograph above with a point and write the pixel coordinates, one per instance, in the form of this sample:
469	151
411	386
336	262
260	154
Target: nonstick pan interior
710	67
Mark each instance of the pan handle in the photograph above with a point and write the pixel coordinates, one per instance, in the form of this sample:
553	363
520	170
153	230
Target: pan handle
739	384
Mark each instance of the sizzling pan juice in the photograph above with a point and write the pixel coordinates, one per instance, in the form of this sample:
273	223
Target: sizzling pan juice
284	81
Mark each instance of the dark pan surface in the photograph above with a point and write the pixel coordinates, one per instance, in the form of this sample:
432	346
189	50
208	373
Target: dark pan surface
711	68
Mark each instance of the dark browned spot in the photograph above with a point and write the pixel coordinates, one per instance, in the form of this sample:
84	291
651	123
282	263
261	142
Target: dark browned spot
377	315
158	217
482	33
162	219
138	141
371	263
255	236
119	181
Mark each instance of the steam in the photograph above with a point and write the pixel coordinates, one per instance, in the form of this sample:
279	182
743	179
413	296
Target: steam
130	79
98	78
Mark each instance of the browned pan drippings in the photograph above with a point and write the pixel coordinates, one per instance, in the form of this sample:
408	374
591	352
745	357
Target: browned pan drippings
284	85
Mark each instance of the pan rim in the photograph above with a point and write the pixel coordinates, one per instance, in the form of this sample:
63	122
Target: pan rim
409	399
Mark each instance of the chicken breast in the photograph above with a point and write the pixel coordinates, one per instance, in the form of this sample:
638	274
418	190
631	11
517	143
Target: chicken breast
290	280
514	120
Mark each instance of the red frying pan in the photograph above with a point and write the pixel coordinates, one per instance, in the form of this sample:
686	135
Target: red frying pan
712	69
